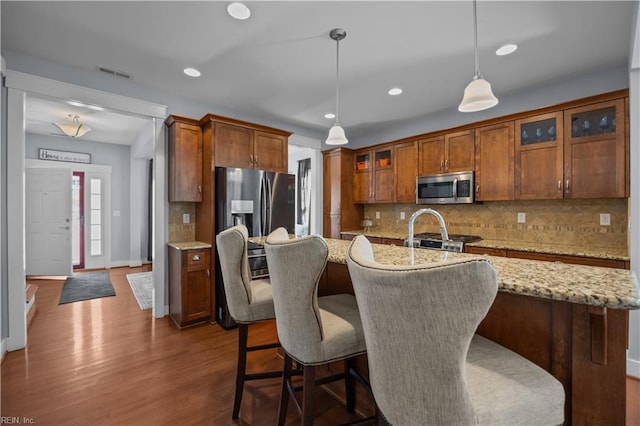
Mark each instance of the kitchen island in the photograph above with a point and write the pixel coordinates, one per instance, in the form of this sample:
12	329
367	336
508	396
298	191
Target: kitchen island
571	320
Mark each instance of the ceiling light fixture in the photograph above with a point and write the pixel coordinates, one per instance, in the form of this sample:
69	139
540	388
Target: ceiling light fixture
336	133
395	91
191	72
329	115
238	11
72	126
506	49
95	107
477	95
76	104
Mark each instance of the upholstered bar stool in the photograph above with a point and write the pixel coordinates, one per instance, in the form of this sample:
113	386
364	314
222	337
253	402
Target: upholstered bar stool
426	365
312	330
249	301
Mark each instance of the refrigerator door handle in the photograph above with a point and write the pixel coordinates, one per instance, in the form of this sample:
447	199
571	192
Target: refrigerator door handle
263	207
269	203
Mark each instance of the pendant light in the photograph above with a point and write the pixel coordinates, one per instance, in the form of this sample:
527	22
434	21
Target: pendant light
336	134
477	95
72	127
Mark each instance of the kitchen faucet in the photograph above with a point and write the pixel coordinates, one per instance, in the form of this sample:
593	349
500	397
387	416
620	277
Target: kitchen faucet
443	228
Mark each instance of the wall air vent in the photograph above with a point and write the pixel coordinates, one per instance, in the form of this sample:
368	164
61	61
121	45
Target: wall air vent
114	73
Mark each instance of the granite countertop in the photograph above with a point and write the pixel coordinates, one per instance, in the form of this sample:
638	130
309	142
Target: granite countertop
609	253
588	285
189	245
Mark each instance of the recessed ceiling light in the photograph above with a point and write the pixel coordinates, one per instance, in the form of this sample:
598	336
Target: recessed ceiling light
506	49
395	91
329	116
238	11
95	107
76	104
192	72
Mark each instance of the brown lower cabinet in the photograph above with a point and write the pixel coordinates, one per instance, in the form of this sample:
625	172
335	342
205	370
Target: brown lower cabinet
564	258
584	347
189	286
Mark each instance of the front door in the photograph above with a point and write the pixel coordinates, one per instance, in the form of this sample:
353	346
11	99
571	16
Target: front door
48	221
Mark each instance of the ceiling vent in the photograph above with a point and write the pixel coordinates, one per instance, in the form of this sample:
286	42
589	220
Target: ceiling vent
114	73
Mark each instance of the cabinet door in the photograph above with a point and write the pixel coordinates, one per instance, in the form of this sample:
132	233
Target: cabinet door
270	152
196	285
431	156
459	152
594	151
233	146
362	177
539	157
494	162
406	169
185	162
383	178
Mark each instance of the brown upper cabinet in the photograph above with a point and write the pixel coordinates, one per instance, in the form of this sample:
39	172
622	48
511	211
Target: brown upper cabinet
339	211
386	175
539	157
238	146
185	159
406	166
595	161
453	152
495	162
374	176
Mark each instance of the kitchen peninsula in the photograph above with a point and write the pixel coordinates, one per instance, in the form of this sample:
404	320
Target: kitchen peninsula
569	319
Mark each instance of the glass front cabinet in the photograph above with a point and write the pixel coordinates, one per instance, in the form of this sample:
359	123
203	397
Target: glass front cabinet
595	161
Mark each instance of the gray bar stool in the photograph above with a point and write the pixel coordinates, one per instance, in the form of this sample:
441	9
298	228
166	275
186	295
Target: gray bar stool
249	301
312	330
426	365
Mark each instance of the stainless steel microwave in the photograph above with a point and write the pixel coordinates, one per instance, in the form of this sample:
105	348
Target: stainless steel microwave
446	188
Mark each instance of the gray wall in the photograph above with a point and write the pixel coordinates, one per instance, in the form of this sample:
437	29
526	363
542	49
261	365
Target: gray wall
116	156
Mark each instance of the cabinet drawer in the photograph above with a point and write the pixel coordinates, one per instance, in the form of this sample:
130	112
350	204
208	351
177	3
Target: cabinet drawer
196	259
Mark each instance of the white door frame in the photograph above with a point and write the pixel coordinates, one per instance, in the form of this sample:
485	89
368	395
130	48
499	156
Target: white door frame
18	85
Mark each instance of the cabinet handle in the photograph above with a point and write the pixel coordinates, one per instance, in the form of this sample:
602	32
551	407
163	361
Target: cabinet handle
208	274
200	189
442	165
255	160
567	186
251	159
446	164
195	258
559	186
477	189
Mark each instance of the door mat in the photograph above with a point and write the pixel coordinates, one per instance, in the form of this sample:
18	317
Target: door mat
142	286
85	286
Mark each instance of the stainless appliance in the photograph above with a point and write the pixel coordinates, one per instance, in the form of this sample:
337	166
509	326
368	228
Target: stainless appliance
262	201
446	188
434	241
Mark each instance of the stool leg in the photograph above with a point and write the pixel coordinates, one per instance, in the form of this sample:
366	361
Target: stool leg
350	384
243	336
284	390
308	395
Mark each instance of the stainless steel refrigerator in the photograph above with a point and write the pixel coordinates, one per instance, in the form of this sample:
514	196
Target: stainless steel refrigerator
262	201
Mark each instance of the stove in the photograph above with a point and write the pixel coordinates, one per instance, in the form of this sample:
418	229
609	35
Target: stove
433	240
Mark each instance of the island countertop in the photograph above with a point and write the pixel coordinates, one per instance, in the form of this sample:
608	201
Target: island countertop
588	285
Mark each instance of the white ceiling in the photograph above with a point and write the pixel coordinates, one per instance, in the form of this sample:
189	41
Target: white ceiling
280	64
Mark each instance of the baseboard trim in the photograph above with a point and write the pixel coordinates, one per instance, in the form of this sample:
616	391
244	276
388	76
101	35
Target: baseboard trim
633	368
119	264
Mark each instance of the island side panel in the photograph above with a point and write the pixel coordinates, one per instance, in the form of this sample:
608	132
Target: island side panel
599	365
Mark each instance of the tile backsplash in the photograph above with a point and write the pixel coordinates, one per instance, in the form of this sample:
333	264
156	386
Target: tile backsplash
178	231
566	222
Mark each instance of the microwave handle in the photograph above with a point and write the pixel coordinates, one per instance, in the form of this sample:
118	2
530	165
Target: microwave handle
455	188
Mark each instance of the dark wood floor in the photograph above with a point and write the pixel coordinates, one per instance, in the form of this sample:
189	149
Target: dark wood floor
106	362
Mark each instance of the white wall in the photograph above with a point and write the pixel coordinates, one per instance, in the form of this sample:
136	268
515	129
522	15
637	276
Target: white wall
301	147
633	359
142	150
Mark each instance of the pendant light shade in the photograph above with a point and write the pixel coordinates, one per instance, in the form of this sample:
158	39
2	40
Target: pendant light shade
477	95
336	133
72	127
